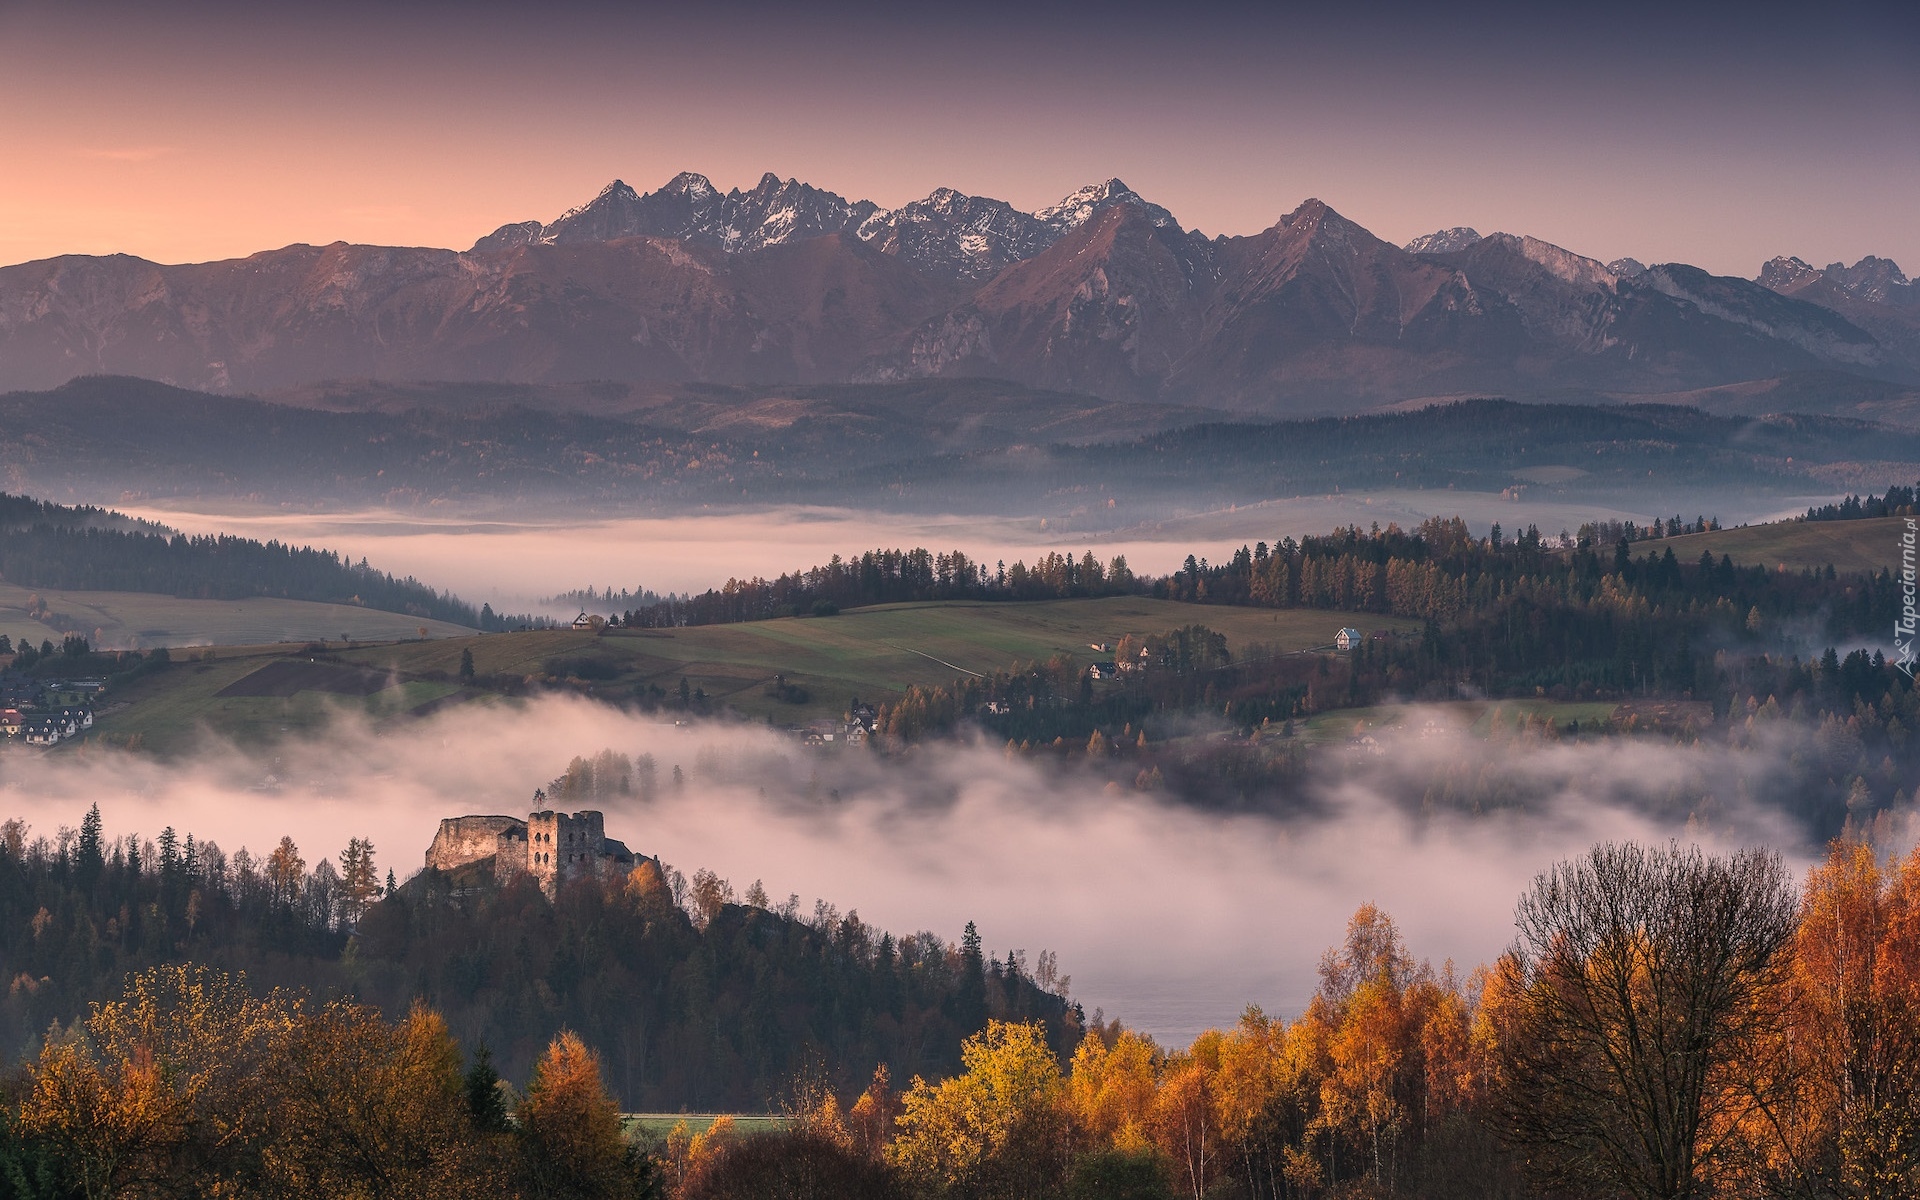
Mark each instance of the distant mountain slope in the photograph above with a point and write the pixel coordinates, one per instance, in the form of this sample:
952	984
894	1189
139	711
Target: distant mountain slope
951	447
1823	393
635	309
1103	292
1873	294
497	446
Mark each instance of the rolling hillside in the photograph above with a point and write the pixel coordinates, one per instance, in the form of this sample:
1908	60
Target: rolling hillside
873	653
1868	545
143	620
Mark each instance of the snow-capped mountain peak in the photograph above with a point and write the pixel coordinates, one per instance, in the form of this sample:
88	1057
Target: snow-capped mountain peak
616	192
1082	206
691	185
1872	280
1786	273
1443	241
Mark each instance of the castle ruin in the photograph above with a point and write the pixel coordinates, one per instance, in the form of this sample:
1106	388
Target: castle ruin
553	847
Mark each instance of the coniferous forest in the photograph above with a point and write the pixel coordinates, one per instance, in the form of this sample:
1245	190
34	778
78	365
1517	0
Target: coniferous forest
706	1002
51	546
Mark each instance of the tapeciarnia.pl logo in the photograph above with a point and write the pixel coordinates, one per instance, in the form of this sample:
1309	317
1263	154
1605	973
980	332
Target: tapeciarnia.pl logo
1904	628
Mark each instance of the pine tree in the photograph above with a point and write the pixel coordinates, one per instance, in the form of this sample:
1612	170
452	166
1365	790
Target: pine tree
89	858
970	998
485	1104
359	879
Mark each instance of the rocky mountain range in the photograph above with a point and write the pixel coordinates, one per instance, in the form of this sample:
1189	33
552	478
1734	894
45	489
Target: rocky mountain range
1103	293
949	235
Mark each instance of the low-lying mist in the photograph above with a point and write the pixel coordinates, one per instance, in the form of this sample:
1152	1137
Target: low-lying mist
512	563
1167	914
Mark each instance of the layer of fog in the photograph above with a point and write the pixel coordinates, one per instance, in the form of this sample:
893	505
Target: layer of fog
1168	915
514	564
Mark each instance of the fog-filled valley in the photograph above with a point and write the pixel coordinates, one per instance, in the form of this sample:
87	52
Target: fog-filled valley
1163	792
1377	666
1170	914
516	564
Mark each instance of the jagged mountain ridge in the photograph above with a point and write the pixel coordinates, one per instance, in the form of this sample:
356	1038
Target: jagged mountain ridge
1873	294
949	233
1103	293
1873	280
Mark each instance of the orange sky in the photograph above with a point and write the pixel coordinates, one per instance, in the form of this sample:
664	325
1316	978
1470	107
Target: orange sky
197	133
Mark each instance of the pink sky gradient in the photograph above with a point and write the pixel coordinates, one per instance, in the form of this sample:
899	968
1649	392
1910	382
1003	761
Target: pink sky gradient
184	134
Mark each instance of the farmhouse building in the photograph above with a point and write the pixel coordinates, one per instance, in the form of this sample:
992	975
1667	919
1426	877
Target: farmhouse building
552	847
1347	639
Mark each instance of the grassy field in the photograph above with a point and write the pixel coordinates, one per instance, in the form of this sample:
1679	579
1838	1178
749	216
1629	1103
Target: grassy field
659	1125
872	653
1847	545
1480	717
168	712
123	620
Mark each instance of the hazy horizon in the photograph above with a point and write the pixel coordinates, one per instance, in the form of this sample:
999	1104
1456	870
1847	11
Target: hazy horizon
514	563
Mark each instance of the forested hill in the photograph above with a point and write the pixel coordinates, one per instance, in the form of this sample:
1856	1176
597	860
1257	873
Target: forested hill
24	511
51	546
691	999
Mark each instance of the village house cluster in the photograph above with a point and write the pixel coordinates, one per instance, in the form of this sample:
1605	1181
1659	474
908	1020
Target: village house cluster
45	712
851	730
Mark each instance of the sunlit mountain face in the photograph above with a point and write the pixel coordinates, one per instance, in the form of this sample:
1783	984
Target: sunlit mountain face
1103	293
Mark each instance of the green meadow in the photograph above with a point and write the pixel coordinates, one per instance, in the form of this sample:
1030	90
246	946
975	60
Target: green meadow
871	653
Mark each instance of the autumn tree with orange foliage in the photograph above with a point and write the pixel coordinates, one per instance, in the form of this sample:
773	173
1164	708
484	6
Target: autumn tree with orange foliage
171	1080
998	1129
571	1131
1849	1050
189	1085
376	1110
1669	1024
1383	1087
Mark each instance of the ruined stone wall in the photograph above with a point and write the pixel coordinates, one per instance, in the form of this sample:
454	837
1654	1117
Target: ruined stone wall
512	857
461	840
563	846
553	847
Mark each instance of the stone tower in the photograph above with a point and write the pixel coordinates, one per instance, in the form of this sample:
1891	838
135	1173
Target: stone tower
562	846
